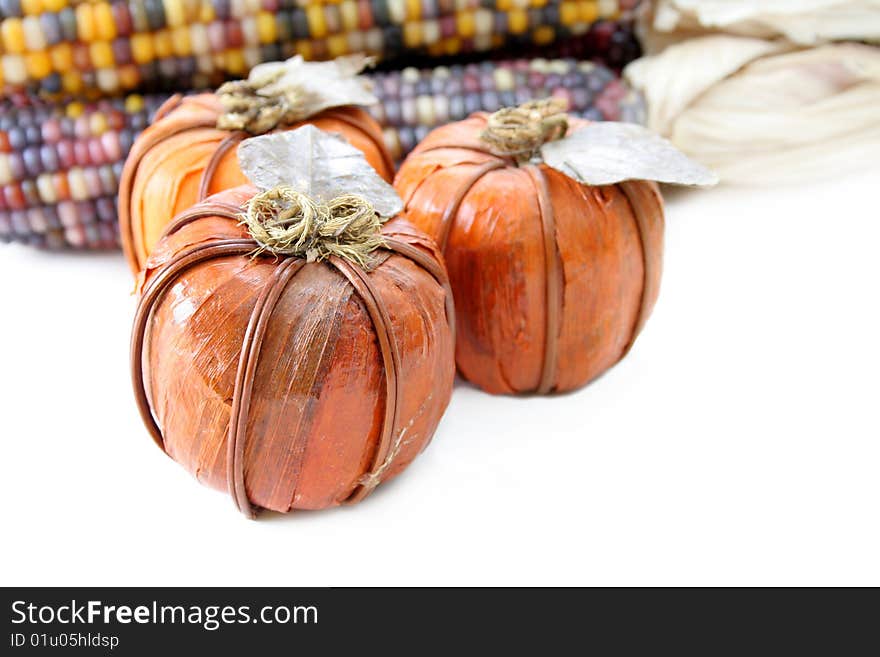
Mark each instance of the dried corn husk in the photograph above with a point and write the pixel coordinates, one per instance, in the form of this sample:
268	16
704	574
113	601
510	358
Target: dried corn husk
802	22
758	111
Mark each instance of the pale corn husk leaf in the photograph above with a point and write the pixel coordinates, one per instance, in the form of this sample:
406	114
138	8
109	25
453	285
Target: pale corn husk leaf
706	60
607	152
318	164
803	22
782	118
316	85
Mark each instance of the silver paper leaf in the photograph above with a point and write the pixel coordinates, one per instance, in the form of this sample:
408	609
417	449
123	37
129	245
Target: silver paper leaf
607	152
316	85
316	163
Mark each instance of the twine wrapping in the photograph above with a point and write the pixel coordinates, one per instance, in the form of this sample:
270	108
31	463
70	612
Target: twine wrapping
284	221
521	131
249	107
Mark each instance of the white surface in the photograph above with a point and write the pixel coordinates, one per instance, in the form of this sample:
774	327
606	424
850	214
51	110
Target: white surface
739	443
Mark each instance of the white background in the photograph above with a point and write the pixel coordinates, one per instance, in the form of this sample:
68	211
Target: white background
739	443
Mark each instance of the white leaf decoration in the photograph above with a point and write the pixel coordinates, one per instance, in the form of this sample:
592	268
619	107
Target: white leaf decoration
607	152
319	164
316	85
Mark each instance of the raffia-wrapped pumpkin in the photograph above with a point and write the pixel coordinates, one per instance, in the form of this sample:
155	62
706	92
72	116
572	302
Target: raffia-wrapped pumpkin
553	277
304	356
189	152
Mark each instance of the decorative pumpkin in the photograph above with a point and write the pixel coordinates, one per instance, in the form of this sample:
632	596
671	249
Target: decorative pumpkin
553	278
304	356
189	152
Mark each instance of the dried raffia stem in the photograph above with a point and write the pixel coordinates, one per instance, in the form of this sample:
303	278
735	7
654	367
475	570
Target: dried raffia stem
301	339
520	131
282	93
191	148
284	221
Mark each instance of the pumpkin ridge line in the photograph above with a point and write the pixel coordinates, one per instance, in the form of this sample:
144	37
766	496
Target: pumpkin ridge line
129	172
364	288
211	169
252	344
552	290
164	277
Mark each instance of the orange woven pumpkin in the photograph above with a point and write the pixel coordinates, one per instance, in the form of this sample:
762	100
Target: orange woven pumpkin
553	279
184	157
293	384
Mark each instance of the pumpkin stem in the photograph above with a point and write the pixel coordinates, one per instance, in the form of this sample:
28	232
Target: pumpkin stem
284	221
247	106
521	131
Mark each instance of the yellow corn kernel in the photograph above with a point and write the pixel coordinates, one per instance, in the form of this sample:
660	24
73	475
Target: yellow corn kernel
134	103
105	26
412	34
175	16
72	83
589	11
85	22
436	49
568	13
31	7
452	46
129	76
75	110
54	5
337	45
465	24
142	50
235	63
413	10
316	21
98	123
181	41
38	64
543	35
503	5
304	49
62	57
267	29
101	54
12	35
517	21
348	11
207	13
162	44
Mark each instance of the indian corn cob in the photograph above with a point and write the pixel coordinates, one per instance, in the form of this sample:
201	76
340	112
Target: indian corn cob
60	162
111	47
